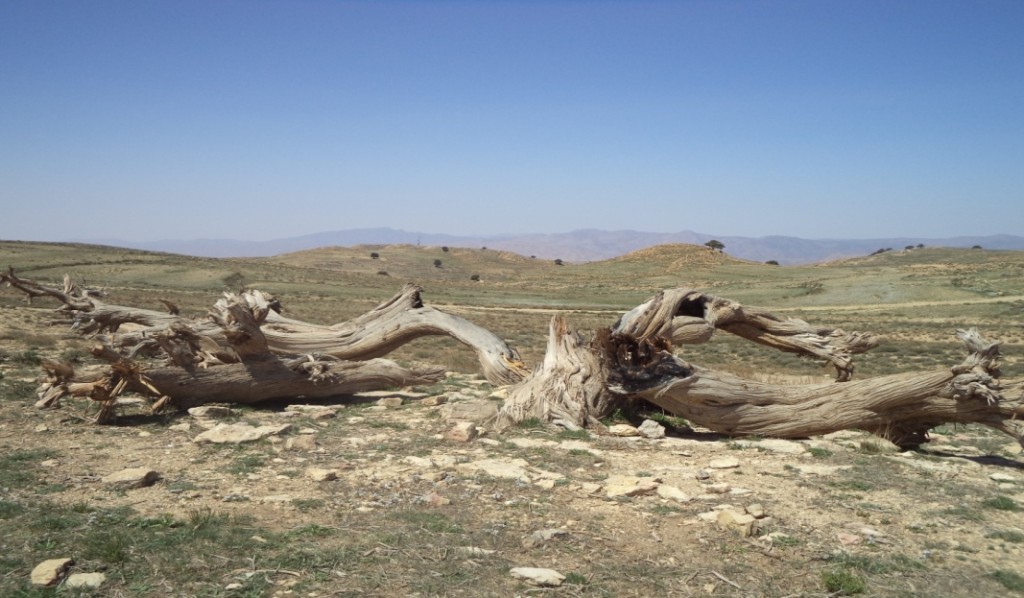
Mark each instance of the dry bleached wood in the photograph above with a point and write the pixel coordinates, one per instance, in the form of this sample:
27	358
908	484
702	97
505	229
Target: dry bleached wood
258	375
400	320
687	316
229	358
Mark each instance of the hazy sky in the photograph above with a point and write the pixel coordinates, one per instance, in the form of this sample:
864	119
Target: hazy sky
259	120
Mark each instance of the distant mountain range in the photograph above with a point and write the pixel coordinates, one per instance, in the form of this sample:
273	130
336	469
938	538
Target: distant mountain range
576	246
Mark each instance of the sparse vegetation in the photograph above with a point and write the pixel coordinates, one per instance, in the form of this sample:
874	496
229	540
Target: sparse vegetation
252	517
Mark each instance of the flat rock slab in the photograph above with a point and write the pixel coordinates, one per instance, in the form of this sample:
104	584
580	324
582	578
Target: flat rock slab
538	576
239	433
820	469
85	580
512	469
128	479
774	445
724	463
50	571
617	486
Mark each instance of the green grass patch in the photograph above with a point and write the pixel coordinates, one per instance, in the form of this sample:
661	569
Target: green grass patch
1001	503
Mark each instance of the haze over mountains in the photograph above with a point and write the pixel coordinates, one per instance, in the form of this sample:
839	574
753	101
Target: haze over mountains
575	246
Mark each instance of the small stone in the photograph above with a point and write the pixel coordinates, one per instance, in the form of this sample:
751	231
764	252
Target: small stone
49	463
475	411
724	463
300	443
128	479
183	427
623	430
233	586
702	474
651	429
718	488
618	486
50	571
757	510
391	402
238	433
474	551
319	474
538	576
210	412
462	432
590	488
847	539
434	401
85	580
545	484
1002	477
41	428
742	523
541	537
436	500
673	493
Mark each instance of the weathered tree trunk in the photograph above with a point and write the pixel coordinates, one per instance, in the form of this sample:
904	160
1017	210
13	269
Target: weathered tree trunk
900	407
569	389
388	326
257	376
686	316
398	321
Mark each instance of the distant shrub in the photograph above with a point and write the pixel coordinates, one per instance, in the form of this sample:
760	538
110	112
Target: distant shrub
437	263
715	245
444	249
374	255
235	280
909	247
382	273
976	247
772	263
475	278
559	262
920	245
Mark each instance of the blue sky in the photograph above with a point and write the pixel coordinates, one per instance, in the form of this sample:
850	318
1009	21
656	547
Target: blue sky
259	120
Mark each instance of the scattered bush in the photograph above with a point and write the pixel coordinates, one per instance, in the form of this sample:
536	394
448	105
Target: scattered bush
444	248
559	262
382	273
437	263
475	278
374	255
772	263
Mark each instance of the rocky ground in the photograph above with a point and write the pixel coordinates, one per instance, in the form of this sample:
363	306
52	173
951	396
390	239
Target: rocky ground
413	496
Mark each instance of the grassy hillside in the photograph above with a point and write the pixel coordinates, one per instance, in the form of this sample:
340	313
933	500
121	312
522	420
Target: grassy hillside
913	297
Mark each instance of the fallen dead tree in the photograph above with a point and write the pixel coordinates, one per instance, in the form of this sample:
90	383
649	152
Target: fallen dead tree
247	352
394	323
581	382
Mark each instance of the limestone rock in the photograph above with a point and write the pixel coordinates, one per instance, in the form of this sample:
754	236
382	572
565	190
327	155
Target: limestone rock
651	429
321	474
318	412
474	411
391	402
541	537
538	576
239	433
774	445
757	510
741	523
128	479
434	401
85	580
305	442
50	571
623	430
462	432
617	486
672	493
724	463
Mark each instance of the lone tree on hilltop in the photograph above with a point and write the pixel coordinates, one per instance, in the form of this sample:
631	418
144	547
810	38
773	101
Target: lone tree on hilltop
715	245
559	262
